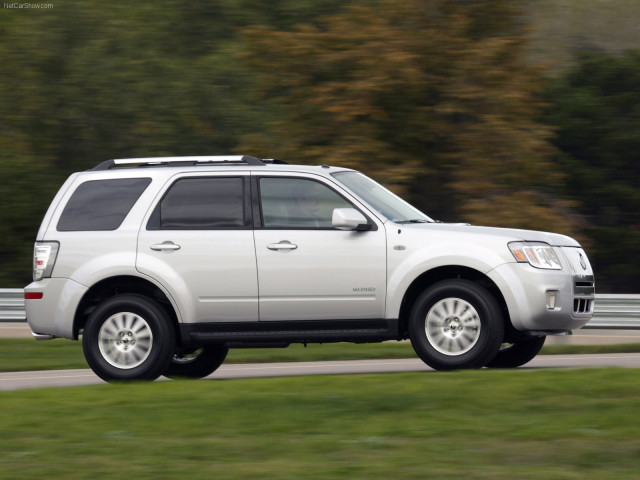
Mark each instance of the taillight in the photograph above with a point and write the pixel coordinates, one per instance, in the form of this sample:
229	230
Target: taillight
44	258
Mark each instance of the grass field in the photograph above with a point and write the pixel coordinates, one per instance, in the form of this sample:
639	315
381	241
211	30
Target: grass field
559	424
17	355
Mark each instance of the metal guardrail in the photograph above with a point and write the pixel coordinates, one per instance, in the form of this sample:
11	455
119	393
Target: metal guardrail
616	312
611	311
12	305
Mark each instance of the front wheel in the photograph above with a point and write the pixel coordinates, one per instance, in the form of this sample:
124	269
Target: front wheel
512	355
196	363
128	337
456	324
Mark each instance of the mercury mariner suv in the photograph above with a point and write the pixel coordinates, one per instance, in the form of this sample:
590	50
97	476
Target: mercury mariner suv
162	265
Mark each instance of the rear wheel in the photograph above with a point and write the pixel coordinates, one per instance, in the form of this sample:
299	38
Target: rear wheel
197	362
128	337
512	355
456	324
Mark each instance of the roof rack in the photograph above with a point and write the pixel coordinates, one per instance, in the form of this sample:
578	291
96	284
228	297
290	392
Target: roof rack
182	161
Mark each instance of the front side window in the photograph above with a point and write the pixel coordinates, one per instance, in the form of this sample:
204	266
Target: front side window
101	205
298	203
201	203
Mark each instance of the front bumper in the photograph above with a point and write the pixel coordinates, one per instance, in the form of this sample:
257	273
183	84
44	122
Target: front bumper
545	301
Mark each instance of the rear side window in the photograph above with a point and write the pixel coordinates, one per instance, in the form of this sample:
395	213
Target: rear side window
101	205
207	203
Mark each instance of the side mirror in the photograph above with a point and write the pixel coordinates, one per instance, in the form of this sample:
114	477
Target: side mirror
349	219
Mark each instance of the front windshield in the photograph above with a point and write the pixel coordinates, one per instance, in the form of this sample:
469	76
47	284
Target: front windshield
381	199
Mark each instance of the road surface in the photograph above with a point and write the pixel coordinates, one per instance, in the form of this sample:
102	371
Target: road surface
68	378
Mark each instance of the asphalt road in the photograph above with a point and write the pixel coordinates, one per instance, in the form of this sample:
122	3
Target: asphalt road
68	378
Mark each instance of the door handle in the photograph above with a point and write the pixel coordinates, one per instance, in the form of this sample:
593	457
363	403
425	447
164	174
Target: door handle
283	245
165	247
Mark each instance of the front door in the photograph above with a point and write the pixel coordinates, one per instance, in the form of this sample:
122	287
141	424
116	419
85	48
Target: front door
308	270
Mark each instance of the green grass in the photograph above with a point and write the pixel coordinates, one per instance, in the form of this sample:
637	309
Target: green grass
552	424
18	355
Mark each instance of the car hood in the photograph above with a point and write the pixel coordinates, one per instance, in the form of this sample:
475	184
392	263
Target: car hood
508	234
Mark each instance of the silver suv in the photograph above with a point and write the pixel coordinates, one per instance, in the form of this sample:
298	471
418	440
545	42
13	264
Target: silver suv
163	264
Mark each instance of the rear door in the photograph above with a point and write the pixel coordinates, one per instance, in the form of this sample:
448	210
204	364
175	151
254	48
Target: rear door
198	243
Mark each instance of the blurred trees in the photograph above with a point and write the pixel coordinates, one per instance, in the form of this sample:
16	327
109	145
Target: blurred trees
93	81
596	107
24	193
87	81
432	97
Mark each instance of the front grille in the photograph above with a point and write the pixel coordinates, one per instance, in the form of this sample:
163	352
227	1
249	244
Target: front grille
582	305
583	286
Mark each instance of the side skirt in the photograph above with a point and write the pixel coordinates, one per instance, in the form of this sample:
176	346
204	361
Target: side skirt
282	333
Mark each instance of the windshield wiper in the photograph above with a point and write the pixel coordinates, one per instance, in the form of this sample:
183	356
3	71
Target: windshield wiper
413	220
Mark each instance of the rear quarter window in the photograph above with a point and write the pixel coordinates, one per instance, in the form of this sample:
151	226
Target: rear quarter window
101	205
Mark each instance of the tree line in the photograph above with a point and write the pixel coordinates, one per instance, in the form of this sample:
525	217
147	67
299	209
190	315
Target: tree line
434	98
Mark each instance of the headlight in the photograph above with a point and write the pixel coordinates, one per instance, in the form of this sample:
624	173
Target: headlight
539	255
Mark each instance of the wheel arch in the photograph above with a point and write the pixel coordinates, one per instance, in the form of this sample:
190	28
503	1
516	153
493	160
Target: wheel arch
113	286
430	277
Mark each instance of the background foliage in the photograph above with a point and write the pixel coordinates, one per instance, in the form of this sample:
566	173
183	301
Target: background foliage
596	109
442	100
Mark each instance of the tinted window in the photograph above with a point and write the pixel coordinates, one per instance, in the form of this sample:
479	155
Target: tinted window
201	204
101	204
298	203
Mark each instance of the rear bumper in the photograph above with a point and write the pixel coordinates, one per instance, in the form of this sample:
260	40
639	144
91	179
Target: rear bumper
53	314
42	336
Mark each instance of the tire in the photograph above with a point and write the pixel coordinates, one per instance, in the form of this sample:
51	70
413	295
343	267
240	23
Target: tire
512	355
128	337
197	363
456	324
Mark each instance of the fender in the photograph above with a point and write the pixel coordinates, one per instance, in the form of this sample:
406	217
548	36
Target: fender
404	266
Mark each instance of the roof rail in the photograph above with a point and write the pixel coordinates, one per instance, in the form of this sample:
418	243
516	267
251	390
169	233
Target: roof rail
176	161
275	161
